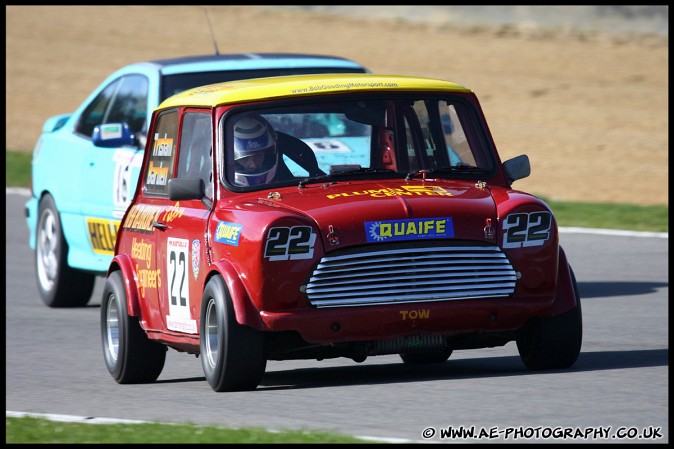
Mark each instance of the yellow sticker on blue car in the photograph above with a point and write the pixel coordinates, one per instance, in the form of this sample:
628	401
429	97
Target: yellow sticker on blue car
102	235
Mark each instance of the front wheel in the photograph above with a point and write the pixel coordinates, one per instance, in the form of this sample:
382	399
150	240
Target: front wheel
130	356
58	284
233	356
552	342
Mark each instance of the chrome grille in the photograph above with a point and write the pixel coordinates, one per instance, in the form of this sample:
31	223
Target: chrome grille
411	274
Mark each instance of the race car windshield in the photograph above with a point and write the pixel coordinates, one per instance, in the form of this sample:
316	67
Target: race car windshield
370	138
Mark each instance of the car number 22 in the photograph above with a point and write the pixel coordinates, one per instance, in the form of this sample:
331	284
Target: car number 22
178	292
292	243
526	229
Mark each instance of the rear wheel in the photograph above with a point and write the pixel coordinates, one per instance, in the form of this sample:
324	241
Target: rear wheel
552	342
58	284
130	356
233	356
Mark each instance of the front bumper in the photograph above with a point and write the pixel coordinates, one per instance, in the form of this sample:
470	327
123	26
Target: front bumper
31	220
347	324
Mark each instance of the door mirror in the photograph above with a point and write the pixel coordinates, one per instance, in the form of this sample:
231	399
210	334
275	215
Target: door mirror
517	167
186	189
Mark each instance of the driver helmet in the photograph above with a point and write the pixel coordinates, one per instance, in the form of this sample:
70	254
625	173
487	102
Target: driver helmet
255	155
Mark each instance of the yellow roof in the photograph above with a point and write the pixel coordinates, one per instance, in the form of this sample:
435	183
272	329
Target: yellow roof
303	85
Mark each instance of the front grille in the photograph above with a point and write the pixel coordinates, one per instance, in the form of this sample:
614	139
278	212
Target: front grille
411	274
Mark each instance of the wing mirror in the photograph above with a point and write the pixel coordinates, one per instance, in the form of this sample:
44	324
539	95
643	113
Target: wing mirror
517	167
186	189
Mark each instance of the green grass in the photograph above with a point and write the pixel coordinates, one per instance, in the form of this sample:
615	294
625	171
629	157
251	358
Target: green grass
611	216
38	430
573	214
17	168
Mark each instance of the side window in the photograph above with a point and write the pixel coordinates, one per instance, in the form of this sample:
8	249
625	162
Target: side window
195	159
123	100
130	103
160	165
95	112
455	137
428	147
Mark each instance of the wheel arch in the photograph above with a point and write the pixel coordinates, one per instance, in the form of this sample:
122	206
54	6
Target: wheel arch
124	264
565	294
246	314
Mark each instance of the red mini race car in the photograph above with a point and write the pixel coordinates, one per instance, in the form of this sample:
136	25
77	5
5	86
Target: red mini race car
321	216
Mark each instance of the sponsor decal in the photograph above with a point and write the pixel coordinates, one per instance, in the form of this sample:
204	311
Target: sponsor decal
407	190
122	185
526	229
411	229
111	131
142	251
163	147
196	257
421	314
148	276
179	318
102	235
293	243
331	146
228	233
348	85
173	212
140	218
157	175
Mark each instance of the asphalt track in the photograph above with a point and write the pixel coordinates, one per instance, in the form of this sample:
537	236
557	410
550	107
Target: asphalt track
618	387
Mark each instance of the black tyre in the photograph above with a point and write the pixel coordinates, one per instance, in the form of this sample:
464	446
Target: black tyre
552	342
130	356
233	357
411	358
58	284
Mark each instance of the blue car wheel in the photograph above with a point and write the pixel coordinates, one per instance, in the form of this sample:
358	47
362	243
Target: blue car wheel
58	284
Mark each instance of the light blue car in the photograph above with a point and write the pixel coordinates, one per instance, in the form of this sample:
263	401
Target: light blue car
85	165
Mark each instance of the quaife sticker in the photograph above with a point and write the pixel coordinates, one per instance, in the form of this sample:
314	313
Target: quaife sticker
410	229
523	229
292	243
228	233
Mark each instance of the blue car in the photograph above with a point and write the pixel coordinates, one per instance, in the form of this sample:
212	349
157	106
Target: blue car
86	164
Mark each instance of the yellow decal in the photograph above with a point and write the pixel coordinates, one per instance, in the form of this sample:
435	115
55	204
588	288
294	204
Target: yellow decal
102	235
157	175
173	212
142	251
141	216
422	314
147	277
163	147
420	190
423	227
